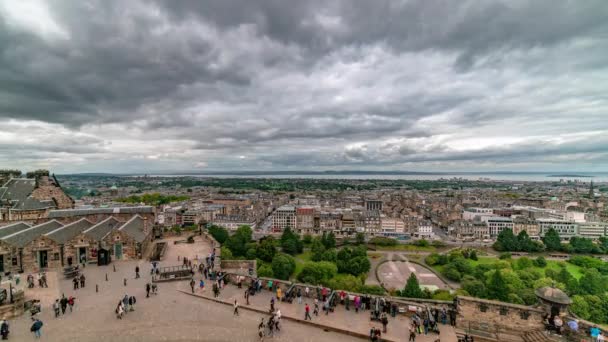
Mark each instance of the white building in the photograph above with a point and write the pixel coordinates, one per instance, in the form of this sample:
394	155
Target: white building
566	229
469	214
497	224
574	216
424	230
593	230
284	216
392	225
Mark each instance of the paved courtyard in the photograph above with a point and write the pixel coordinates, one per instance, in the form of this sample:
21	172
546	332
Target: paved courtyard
394	274
168	316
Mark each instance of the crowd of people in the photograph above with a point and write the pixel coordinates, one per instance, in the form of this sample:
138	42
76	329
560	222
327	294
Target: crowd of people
126	304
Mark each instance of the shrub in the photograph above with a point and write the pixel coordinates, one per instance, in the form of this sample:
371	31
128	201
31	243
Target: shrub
265	271
220	234
283	266
383	241
540	262
504	256
317	272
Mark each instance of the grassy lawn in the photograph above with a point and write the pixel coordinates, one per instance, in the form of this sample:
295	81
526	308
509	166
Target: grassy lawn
574	270
301	259
407	248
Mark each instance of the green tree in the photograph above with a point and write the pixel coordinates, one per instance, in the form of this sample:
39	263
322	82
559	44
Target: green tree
265	271
329	240
307	239
290	242
506	241
283	266
497	287
474	287
317	249
237	243
592	282
523	263
552	240
220	234
317	272
412	288
473	255
360	239
266	249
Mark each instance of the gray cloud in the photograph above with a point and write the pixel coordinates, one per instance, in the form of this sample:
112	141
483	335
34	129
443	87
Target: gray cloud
275	84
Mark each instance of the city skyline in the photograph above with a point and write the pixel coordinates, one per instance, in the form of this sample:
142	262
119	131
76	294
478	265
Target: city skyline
203	86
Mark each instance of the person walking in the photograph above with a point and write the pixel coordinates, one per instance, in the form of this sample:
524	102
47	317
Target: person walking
201	284
82	279
307	312
56	308
279	293
36	327
384	320
136	272
64	304
131	303
236	308
125	302
192	282
316	310
412	333
119	310
71	301
4	329
247	296
272	305
307	291
148	289
299	295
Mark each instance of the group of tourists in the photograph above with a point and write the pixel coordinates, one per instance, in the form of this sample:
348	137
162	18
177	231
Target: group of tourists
126	304
61	305
271	327
79	281
41	279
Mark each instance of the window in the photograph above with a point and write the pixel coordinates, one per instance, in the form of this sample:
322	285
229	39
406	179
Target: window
56	256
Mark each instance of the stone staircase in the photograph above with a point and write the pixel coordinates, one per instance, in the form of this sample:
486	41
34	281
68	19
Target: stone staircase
540	336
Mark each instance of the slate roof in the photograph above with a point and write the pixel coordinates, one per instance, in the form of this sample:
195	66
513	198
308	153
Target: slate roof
134	228
22	238
34	204
103	228
13	228
18	189
91	211
65	233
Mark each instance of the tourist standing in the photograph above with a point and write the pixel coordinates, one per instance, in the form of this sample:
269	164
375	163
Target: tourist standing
82	279
307	291
247	296
279	293
56	308
192	282
148	289
4	329
236	308
384	320
75	281
202	285
412	333
136	272
272	305
307	312
316	310
119	310
299	295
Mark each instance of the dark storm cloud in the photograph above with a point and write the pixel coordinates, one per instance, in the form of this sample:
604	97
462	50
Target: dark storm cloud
302	83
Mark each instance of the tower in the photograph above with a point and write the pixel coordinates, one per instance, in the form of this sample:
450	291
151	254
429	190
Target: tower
591	192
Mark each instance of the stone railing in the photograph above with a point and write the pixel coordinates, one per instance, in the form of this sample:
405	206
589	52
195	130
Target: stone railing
314	289
244	265
497	320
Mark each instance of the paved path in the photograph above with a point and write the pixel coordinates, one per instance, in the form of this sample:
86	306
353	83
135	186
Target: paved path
168	316
340	318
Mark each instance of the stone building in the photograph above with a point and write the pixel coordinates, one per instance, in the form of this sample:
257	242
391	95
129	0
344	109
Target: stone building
8	257
96	215
129	240
96	236
305	220
29	199
72	251
33	250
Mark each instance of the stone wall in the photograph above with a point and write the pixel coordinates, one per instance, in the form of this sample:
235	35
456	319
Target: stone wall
131	249
47	190
72	246
238	264
491	318
8	310
41	243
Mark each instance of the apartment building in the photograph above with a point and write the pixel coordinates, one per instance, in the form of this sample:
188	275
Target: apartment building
284	216
566	229
593	230
305	220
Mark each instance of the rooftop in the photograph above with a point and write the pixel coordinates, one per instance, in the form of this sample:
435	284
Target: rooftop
23	237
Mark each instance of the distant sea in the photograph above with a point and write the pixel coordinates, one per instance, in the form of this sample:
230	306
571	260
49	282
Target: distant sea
596	177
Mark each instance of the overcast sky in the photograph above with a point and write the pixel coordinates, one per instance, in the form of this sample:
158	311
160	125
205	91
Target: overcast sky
420	85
